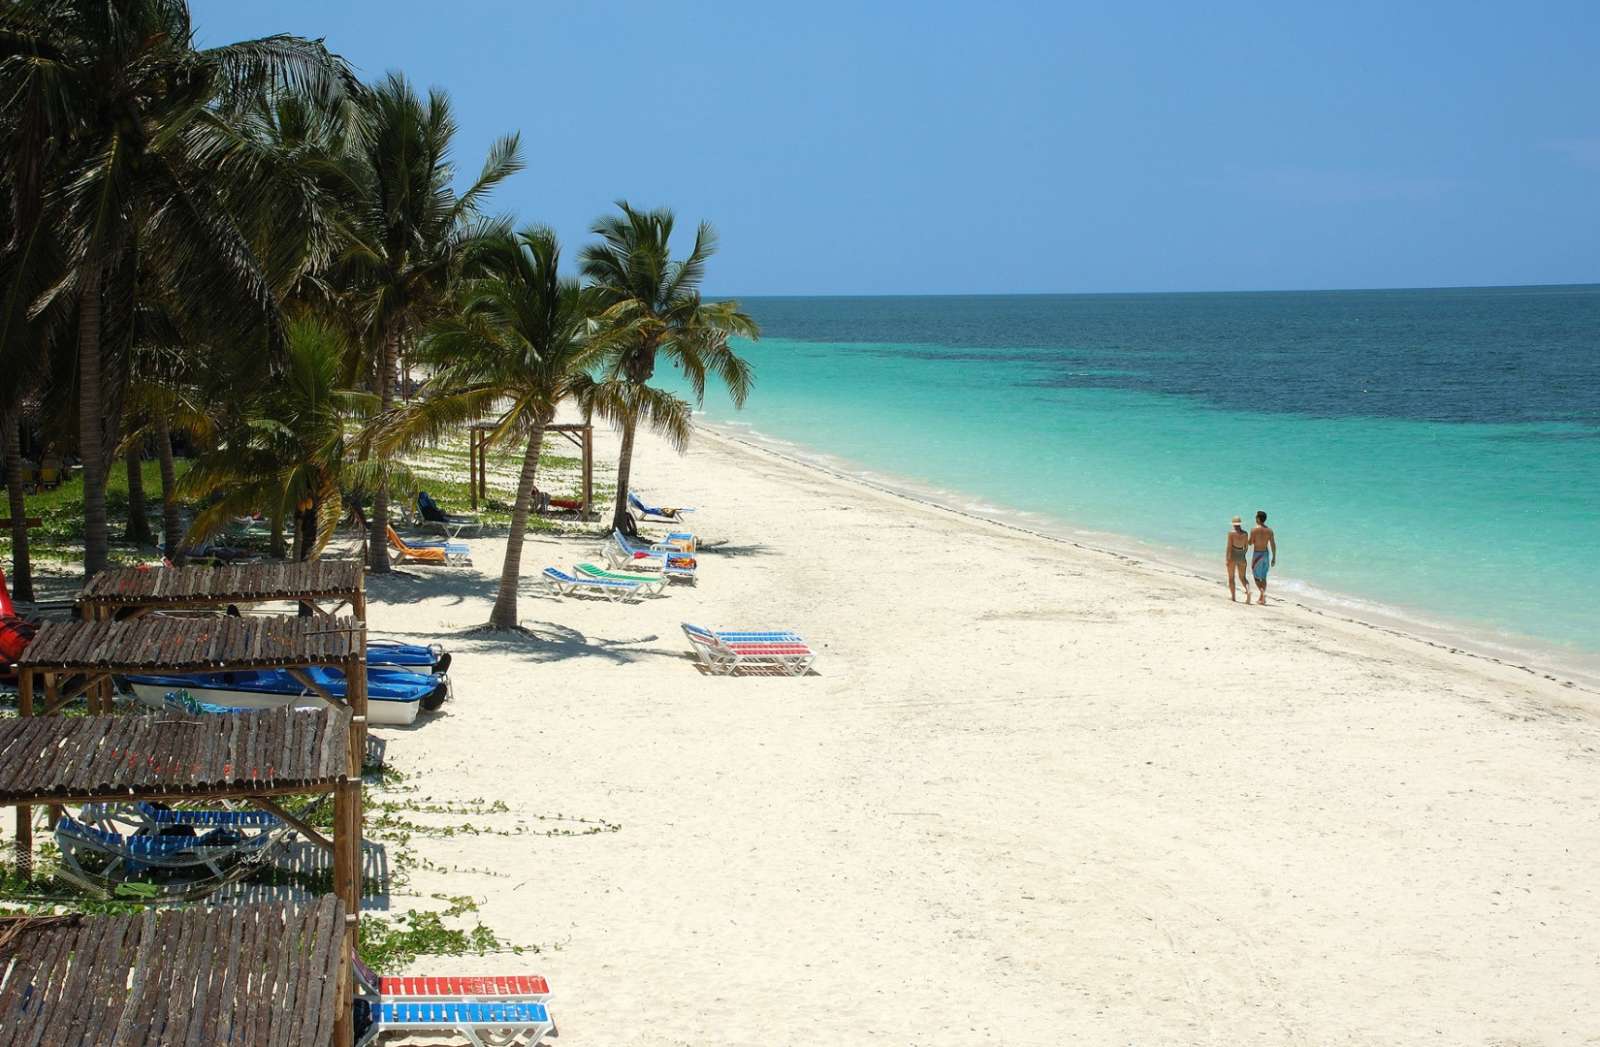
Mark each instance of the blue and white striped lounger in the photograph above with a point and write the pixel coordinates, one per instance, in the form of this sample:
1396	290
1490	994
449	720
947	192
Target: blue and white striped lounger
564	584
149	816
128	855
481	1024
621	551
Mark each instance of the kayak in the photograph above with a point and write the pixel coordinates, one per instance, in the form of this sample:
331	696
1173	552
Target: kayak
394	696
411	657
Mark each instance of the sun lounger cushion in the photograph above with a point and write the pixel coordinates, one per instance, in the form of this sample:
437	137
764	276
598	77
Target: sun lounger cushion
531	1019
507	987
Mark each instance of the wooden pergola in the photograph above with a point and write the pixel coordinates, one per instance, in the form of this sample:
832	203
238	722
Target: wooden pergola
68	660
580	435
168	757
251	974
326	585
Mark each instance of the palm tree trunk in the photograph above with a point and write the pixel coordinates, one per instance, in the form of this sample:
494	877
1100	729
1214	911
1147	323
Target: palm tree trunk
96	540
504	615
620	520
138	521
378	525
277	548
170	520
21	568
305	527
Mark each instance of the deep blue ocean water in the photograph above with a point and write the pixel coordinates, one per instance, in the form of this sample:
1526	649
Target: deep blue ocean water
1435	453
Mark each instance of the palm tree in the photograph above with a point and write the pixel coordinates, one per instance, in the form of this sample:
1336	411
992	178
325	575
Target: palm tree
409	235
653	308
293	450
516	350
159	404
124	135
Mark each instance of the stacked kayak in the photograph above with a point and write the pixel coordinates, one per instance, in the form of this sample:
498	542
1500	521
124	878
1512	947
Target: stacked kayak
411	657
395	694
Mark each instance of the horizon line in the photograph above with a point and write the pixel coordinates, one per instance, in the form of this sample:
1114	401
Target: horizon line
1092	294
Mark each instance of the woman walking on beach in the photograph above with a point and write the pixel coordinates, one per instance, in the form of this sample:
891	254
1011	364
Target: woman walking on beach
1233	559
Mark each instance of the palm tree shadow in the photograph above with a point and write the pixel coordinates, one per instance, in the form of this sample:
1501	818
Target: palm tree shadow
730	549
546	642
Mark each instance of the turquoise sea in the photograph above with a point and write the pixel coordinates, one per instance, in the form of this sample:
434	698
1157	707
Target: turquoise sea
1431	454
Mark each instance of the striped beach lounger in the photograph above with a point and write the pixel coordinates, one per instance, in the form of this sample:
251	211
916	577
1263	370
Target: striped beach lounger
673	562
563	584
721	655
649	584
528	987
480	1023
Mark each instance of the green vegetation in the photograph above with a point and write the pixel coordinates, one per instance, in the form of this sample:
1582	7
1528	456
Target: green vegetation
389	944
59	538
244	250
395	814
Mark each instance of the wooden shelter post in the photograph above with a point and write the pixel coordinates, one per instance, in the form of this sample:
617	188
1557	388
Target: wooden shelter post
472	466
24	812
588	469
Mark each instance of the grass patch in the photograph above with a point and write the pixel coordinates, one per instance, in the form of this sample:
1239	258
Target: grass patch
59	538
392	811
388	944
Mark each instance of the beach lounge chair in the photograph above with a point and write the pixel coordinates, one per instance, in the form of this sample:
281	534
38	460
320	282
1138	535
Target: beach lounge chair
418	988
622	551
727	651
434	516
683	541
454	554
544	502
655	513
153	819
563	584
99	859
480	1023
649	584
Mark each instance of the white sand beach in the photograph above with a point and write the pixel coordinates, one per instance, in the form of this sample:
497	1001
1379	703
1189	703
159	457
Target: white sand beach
1034	794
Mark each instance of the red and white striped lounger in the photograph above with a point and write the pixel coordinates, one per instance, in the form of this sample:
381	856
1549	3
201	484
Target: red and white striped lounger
530	987
728	652
424	987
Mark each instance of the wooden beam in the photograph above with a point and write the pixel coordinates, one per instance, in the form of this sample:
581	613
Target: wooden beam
131	793
88	685
302	827
347	856
28	522
316	688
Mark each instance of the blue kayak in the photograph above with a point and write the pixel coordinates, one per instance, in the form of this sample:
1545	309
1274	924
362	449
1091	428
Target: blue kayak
394	695
412	657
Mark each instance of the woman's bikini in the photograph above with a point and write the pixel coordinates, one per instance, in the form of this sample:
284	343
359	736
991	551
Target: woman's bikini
1237	551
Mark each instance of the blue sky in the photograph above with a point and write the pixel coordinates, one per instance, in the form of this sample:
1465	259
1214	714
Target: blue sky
935	148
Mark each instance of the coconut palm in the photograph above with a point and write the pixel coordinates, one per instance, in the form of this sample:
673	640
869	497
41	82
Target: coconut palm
293	450
517	349
124	136
409	234
652	308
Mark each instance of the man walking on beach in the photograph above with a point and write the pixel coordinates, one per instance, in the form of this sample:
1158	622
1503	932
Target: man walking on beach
1263	553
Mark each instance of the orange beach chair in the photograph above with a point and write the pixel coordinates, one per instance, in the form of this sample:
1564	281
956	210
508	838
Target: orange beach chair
451	554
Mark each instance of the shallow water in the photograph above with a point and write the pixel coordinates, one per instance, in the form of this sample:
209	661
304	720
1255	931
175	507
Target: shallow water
1434	452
